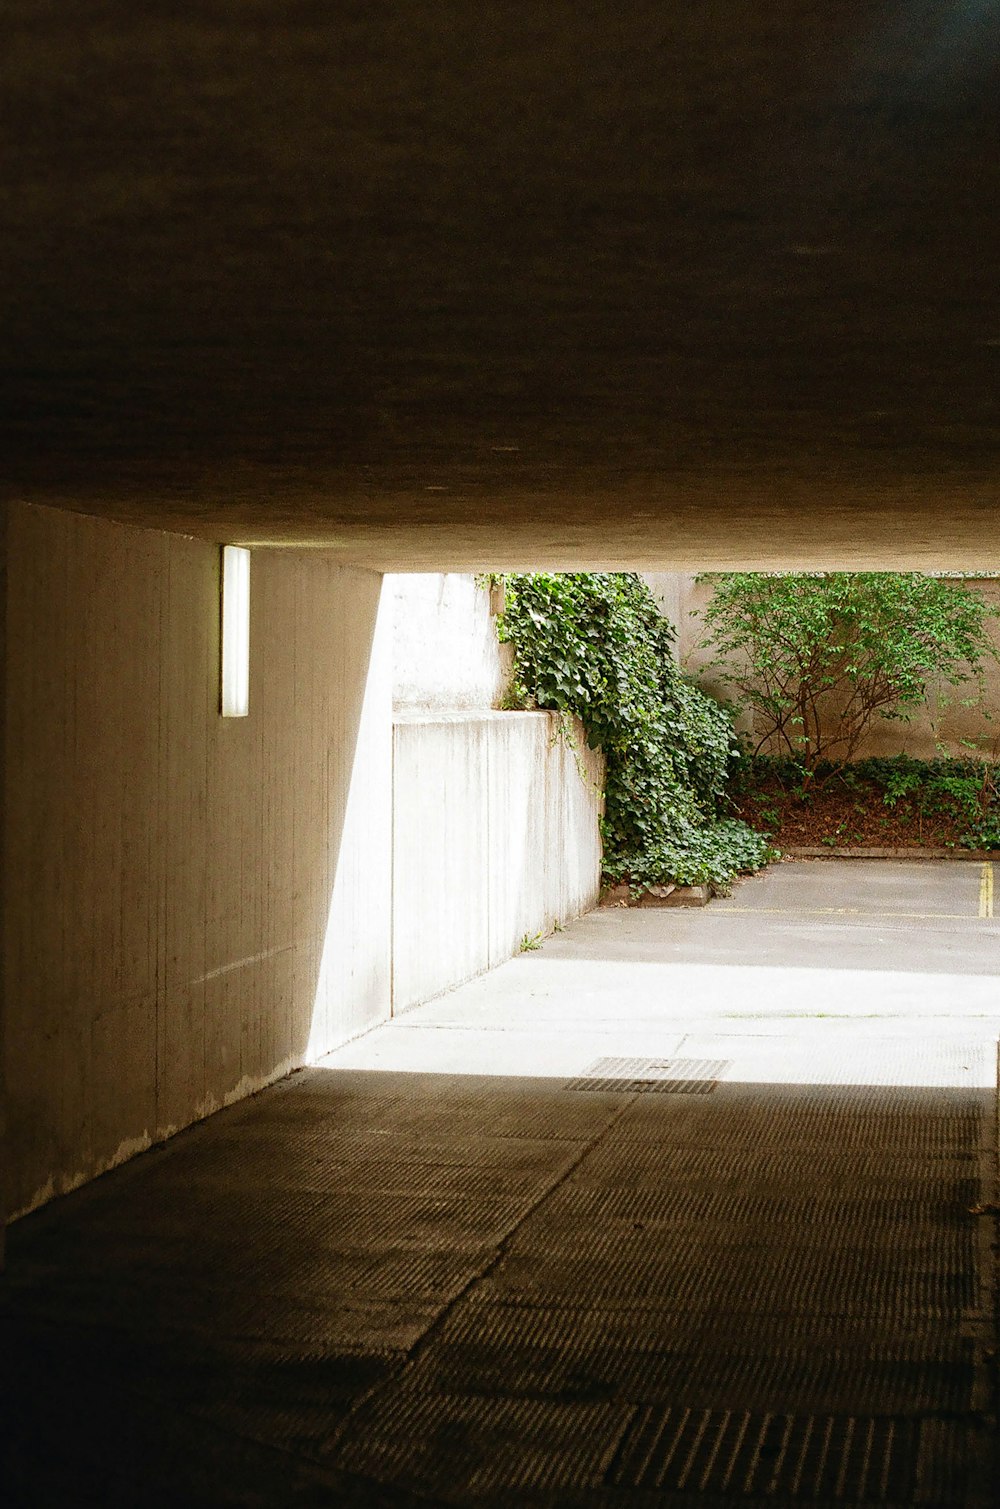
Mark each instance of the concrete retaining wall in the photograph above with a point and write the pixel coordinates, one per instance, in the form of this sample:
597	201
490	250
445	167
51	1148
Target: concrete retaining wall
495	838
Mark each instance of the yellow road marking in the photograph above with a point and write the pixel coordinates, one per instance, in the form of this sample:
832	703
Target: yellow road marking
986	890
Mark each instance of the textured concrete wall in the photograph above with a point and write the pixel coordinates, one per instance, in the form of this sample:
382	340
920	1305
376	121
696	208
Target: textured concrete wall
195	903
933	730
445	651
495	837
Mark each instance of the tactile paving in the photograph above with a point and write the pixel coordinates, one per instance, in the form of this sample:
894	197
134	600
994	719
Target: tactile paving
483	1315
363	1220
391	1274
792	1127
935	1203
508	1296
620	1163
879	1284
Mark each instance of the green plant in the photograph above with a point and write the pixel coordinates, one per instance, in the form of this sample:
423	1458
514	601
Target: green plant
531	941
965	790
962	792
816	657
594	645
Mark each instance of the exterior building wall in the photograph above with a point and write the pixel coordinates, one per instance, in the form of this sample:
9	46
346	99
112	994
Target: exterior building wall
495	839
194	904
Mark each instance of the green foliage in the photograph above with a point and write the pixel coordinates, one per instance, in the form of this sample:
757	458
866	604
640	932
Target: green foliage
595	646
817	657
964	791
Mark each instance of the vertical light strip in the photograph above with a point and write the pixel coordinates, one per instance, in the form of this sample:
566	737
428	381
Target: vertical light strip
235	698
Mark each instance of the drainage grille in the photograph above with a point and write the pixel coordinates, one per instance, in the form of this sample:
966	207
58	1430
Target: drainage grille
630	1076
860	1459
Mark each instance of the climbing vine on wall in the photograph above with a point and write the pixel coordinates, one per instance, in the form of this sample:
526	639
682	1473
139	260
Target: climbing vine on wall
594	645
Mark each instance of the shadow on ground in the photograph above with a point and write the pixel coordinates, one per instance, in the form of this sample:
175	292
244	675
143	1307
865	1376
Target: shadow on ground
399	1289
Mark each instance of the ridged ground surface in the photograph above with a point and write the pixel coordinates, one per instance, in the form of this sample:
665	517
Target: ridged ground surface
752	1276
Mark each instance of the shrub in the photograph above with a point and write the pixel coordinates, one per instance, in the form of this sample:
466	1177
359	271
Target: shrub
818	657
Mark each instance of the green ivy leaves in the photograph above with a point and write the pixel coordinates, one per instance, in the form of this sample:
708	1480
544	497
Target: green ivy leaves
595	646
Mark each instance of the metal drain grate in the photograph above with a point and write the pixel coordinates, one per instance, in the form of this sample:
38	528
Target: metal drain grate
665	1076
860	1459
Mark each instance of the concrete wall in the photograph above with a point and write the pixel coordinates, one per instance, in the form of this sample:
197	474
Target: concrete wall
495	838
495	825
445	653
195	904
683	600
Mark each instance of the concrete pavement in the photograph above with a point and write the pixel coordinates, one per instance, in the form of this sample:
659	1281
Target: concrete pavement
675	1209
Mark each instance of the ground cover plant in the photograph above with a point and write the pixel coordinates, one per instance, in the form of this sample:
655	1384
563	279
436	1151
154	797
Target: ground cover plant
594	645
816	658
896	802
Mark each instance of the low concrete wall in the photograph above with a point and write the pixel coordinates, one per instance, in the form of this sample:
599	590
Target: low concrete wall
495	838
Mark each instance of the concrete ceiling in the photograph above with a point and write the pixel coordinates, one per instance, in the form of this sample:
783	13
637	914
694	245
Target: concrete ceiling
487	282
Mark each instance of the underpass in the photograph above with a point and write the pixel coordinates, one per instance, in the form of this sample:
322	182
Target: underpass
682	1206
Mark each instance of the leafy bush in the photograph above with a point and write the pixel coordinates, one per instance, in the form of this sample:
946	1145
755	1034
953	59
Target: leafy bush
967	792
817	657
594	645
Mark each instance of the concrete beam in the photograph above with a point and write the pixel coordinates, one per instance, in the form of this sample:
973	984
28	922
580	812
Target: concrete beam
444	289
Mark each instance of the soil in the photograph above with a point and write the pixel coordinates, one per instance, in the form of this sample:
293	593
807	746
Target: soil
835	817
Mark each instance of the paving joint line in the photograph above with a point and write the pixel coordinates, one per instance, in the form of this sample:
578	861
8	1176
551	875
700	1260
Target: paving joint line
499	1252
848	911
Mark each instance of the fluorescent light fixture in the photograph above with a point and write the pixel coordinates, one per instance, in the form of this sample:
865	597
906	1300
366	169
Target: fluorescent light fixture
235	697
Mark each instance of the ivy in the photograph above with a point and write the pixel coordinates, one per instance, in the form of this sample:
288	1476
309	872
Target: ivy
595	646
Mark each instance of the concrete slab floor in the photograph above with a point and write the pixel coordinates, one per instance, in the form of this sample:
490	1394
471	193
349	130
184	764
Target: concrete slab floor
676	1209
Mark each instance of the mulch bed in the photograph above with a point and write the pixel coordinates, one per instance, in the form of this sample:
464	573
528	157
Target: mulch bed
835	817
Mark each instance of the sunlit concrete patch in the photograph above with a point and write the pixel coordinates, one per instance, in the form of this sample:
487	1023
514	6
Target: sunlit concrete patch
820	1060
420	1046
589	993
